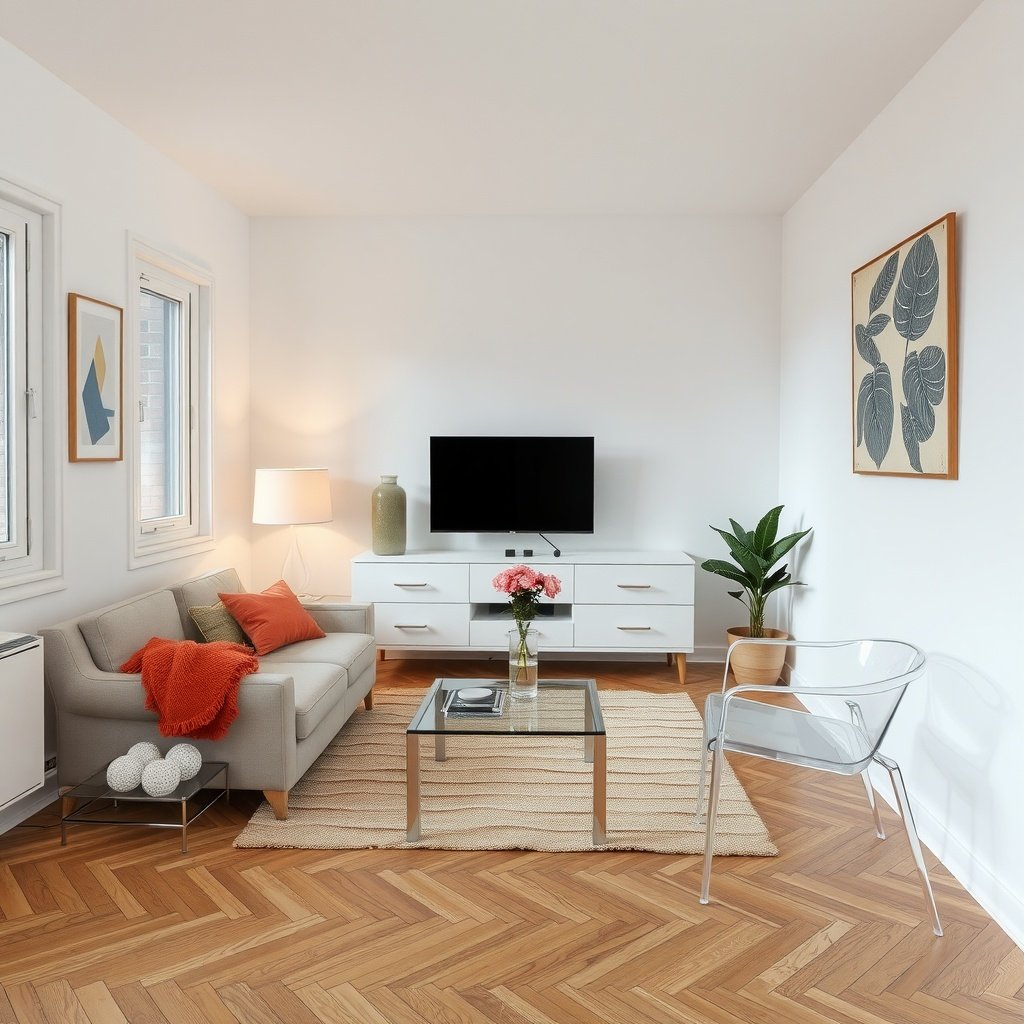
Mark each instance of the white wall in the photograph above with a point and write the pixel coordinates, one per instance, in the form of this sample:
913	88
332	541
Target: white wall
657	336
935	562
109	183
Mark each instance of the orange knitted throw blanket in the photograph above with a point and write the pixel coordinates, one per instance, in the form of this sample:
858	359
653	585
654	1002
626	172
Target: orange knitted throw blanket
192	687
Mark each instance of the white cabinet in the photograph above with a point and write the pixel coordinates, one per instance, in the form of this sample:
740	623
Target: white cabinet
615	602
21	721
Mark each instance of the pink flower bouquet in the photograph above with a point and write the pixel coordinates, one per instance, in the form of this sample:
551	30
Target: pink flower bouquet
524	587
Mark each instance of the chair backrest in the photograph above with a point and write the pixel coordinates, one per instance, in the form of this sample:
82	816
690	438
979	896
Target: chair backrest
855	681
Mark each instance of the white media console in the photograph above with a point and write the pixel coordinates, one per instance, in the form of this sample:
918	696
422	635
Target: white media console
629	602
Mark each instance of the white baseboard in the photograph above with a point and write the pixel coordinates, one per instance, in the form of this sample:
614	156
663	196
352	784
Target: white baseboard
29	805
1004	906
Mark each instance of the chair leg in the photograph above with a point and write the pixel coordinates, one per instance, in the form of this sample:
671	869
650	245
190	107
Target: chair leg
709	828
866	779
903	803
702	778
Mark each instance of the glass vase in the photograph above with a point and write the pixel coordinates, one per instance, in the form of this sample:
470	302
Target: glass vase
388	507
522	664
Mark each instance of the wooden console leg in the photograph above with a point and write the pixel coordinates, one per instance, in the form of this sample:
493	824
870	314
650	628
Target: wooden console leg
380	654
278	800
67	805
681	668
368	699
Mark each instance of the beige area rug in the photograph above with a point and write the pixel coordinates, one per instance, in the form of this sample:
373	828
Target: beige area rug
529	793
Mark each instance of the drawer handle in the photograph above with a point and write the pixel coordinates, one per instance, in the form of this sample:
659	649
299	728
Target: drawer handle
410	625
633	586
412	584
634	629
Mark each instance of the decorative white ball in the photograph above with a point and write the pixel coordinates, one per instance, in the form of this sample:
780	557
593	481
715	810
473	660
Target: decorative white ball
124	774
144	753
187	758
160	777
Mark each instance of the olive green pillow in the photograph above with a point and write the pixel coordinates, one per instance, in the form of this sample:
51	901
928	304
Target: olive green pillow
215	622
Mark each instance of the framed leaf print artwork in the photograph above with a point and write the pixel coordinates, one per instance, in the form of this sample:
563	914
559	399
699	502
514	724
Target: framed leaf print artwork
905	357
95	380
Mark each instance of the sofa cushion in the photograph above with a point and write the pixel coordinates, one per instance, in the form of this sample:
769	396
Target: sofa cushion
203	591
115	634
352	651
318	688
272	618
215	623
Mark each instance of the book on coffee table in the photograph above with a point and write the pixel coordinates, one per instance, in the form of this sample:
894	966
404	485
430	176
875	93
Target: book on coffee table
475	702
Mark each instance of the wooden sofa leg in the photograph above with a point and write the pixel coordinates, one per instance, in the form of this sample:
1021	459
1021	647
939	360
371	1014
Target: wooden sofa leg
368	699
278	800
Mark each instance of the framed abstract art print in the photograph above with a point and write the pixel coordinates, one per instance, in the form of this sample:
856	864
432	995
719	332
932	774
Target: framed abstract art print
95	380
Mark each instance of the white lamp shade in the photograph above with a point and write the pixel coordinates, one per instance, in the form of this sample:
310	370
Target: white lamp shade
289	497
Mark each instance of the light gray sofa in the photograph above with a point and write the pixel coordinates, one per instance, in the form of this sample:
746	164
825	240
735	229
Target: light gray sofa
288	712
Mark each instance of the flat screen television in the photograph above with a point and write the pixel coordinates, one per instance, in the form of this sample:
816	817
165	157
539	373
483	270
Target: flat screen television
512	485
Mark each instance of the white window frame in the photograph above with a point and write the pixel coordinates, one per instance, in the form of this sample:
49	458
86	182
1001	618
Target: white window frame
160	540
31	565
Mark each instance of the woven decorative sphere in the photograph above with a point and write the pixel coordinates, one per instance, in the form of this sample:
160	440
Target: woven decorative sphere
187	758
160	777
144	753
124	774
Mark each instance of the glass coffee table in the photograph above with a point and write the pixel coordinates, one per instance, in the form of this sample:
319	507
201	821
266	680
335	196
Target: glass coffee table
562	707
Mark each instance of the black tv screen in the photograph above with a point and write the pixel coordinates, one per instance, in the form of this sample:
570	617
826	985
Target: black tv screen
512	485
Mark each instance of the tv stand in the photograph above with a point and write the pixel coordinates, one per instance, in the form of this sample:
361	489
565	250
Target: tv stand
632	602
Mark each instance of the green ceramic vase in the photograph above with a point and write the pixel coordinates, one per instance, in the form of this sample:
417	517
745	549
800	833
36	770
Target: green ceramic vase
388	517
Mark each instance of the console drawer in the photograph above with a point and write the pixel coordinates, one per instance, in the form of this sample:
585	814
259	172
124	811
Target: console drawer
492	634
421	625
634	584
417	582
636	626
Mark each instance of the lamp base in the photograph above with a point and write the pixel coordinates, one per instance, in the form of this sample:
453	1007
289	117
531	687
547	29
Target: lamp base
294	571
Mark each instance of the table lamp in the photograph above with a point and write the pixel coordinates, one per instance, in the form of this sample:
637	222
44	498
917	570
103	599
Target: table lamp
292	497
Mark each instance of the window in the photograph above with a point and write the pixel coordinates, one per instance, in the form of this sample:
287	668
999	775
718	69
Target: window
171	361
29	476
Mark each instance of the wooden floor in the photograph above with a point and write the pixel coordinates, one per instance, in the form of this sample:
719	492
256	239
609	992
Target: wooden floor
119	926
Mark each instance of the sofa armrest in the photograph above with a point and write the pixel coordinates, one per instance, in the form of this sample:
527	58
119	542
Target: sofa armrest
335	616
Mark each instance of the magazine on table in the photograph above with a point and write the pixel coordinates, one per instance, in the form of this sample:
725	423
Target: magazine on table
474	702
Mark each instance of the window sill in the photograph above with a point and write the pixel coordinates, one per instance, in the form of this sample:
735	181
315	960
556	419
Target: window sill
143	556
31	584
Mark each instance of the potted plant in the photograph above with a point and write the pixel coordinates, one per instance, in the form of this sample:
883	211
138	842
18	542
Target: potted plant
755	553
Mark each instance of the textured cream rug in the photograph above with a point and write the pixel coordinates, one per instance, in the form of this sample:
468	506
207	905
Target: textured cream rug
528	793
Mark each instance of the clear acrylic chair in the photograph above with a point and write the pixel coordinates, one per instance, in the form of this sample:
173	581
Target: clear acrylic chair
850	690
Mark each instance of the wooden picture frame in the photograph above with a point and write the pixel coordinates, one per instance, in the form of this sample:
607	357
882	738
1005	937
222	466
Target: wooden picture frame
95	380
905	358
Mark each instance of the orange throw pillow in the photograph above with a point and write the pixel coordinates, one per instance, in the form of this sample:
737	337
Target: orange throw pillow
273	618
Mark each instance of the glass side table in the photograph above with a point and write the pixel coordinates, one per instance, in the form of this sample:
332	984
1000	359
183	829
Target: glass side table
93	802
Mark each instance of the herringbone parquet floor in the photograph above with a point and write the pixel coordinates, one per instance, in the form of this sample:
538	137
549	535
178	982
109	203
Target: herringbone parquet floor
119	926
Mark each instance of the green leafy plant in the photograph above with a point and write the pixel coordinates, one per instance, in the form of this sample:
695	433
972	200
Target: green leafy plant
755	553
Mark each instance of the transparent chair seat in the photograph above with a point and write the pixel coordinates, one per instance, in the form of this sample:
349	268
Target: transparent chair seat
790	735
849	691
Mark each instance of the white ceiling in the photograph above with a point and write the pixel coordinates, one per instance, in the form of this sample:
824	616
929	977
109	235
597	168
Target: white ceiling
491	106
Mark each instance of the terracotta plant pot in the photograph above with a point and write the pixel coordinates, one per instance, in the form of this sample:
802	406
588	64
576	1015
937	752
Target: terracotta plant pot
757	663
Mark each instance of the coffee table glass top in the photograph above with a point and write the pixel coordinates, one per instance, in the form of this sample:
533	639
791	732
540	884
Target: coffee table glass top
562	707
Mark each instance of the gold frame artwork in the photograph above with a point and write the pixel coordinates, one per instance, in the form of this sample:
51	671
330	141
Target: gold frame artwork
905	359
95	380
